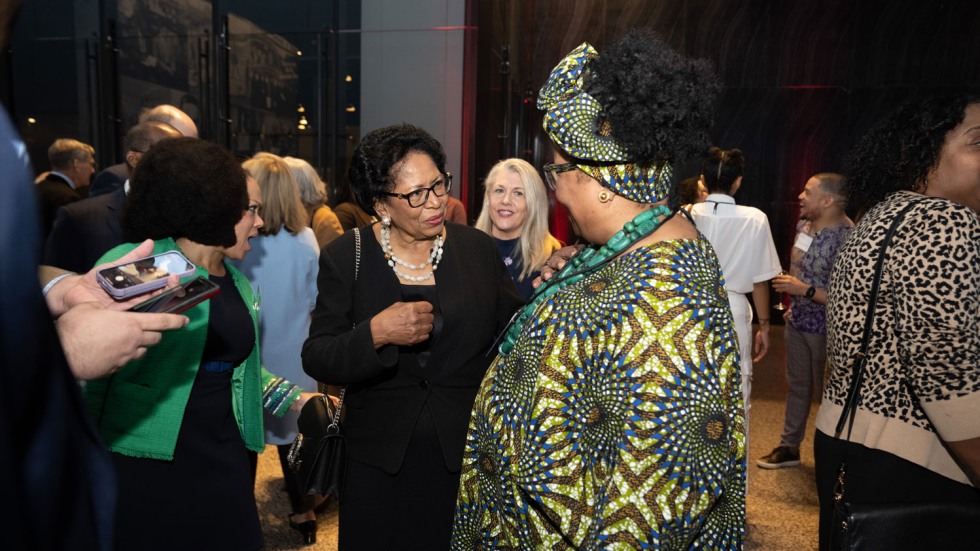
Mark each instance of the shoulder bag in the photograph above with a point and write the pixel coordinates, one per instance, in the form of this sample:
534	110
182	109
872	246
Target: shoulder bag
318	455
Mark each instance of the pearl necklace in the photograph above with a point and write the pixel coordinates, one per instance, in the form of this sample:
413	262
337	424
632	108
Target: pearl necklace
435	255
587	261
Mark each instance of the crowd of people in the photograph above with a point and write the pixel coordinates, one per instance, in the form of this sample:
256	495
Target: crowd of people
501	391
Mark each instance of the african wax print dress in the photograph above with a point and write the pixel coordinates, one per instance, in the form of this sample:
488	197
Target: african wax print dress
616	422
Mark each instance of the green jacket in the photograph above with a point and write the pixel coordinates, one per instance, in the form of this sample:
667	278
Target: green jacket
139	409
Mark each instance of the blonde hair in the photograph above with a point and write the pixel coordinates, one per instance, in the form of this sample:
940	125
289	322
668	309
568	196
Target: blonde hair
312	190
281	207
535	243
63	151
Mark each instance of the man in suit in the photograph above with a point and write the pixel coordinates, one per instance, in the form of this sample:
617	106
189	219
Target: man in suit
54	470
112	178
56	475
72	166
83	231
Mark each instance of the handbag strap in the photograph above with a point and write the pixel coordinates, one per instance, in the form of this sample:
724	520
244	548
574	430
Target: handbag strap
335	419
854	391
357	252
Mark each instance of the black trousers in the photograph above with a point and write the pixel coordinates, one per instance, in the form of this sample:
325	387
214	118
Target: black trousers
877	476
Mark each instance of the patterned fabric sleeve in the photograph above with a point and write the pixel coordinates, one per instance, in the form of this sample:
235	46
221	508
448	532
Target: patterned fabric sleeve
616	422
278	393
938	317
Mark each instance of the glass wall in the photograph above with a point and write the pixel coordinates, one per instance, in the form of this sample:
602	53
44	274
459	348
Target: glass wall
284	77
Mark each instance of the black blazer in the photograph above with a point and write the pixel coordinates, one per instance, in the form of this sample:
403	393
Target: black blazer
385	395
109	180
53	192
85	230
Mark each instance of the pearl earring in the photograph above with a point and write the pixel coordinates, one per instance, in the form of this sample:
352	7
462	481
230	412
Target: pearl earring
385	221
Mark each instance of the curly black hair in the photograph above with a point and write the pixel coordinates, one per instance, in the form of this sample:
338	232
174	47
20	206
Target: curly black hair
374	164
658	103
898	152
721	168
186	187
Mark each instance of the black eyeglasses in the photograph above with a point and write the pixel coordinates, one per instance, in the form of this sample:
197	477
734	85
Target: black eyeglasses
419	197
551	169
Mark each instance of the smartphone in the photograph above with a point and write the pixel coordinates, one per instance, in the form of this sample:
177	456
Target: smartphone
180	298
143	275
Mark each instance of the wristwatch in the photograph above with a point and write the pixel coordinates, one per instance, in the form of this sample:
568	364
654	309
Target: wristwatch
810	292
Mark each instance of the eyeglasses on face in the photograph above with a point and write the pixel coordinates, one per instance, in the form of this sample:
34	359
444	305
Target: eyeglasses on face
551	169
420	196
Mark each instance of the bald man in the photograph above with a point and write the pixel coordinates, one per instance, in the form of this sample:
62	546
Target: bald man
168	114
85	230
112	178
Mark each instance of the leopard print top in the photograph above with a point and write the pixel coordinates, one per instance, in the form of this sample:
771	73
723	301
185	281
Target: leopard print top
922	376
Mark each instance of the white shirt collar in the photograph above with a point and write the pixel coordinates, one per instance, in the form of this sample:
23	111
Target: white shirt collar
66	178
720	198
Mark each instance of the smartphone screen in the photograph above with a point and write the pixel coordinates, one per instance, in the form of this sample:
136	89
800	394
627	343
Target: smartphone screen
144	275
180	298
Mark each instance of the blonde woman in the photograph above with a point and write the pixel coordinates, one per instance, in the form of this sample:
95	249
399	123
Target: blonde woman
515	214
282	268
313	193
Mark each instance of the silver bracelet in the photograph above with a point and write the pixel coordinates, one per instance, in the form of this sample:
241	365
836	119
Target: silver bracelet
54	282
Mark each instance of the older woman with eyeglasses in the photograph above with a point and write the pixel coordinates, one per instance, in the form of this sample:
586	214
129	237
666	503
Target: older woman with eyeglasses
612	418
406	312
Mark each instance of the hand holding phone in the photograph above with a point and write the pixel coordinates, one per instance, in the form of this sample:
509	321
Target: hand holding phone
180	298
144	275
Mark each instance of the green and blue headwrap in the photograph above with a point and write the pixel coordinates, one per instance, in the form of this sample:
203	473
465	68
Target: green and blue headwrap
575	122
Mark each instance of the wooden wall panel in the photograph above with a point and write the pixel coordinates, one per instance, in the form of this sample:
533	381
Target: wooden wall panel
802	79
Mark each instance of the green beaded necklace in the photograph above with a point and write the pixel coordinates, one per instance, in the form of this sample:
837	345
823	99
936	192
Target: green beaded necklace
582	264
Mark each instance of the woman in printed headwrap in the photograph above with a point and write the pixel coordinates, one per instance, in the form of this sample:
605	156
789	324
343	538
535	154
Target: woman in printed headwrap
613	416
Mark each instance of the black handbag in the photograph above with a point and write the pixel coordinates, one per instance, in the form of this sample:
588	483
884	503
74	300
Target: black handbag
319	452
318	455
893	526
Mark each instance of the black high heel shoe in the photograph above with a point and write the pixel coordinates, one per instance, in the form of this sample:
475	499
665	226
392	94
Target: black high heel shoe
306	528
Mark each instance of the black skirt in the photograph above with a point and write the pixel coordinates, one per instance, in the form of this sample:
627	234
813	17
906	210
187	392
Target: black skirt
409	510
204	498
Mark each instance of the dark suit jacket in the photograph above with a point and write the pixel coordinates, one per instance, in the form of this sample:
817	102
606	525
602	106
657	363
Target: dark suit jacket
85	230
109	180
386	393
56	475
53	193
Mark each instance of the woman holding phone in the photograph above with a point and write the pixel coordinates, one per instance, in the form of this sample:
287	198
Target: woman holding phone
282	267
406	313
184	422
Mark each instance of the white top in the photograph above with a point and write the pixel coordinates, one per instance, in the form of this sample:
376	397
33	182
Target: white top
742	240
282	269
